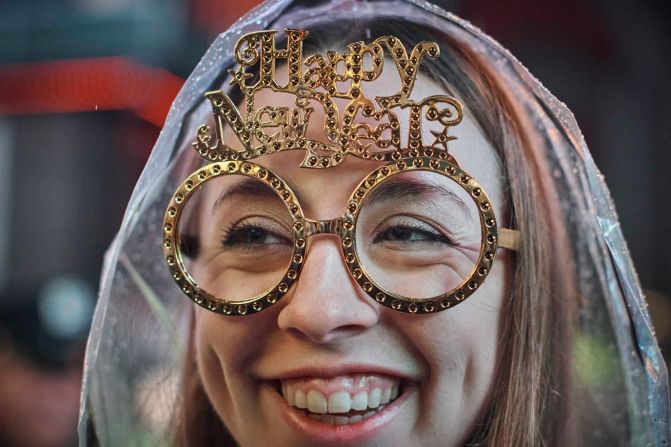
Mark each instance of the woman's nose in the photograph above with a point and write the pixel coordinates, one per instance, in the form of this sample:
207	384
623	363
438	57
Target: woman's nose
325	305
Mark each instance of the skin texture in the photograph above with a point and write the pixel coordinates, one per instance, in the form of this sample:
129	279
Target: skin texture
326	325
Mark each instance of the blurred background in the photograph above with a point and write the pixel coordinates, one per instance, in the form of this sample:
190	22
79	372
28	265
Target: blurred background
85	86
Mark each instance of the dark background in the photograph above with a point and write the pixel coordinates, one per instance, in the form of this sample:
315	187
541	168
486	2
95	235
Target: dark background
85	86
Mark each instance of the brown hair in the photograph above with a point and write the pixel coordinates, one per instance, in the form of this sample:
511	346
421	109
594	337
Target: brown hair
532	392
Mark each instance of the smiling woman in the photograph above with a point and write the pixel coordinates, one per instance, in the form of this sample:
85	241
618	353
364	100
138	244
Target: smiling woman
393	237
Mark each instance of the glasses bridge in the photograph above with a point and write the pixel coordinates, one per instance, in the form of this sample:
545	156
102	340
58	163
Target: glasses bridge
333	226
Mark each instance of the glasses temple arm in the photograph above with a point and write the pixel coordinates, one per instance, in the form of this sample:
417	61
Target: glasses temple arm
509	239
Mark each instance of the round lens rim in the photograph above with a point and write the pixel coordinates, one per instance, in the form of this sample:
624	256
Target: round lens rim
172	252
488	243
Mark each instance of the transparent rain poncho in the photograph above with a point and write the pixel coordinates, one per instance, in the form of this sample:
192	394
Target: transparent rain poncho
141	327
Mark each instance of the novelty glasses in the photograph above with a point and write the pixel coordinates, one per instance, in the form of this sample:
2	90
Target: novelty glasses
418	235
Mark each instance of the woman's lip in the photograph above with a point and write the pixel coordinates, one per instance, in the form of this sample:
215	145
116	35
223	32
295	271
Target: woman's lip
335	371
322	433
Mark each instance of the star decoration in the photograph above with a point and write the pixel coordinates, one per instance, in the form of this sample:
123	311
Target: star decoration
442	138
239	77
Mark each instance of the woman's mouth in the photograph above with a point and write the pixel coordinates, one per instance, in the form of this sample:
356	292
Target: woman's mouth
341	400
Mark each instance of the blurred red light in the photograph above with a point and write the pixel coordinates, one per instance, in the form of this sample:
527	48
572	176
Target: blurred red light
80	85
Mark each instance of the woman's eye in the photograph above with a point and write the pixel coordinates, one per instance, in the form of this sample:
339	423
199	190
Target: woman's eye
405	233
252	236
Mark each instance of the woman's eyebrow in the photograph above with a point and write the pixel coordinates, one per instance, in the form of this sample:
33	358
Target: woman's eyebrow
247	188
410	188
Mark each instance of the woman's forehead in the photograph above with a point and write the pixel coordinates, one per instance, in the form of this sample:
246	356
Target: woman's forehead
323	193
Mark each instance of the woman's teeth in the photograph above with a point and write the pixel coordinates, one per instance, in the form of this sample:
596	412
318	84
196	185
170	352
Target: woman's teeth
351	401
342	420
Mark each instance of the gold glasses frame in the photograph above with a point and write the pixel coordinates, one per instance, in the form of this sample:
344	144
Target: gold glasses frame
344	227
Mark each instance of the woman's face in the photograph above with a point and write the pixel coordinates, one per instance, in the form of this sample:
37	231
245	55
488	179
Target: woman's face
328	346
